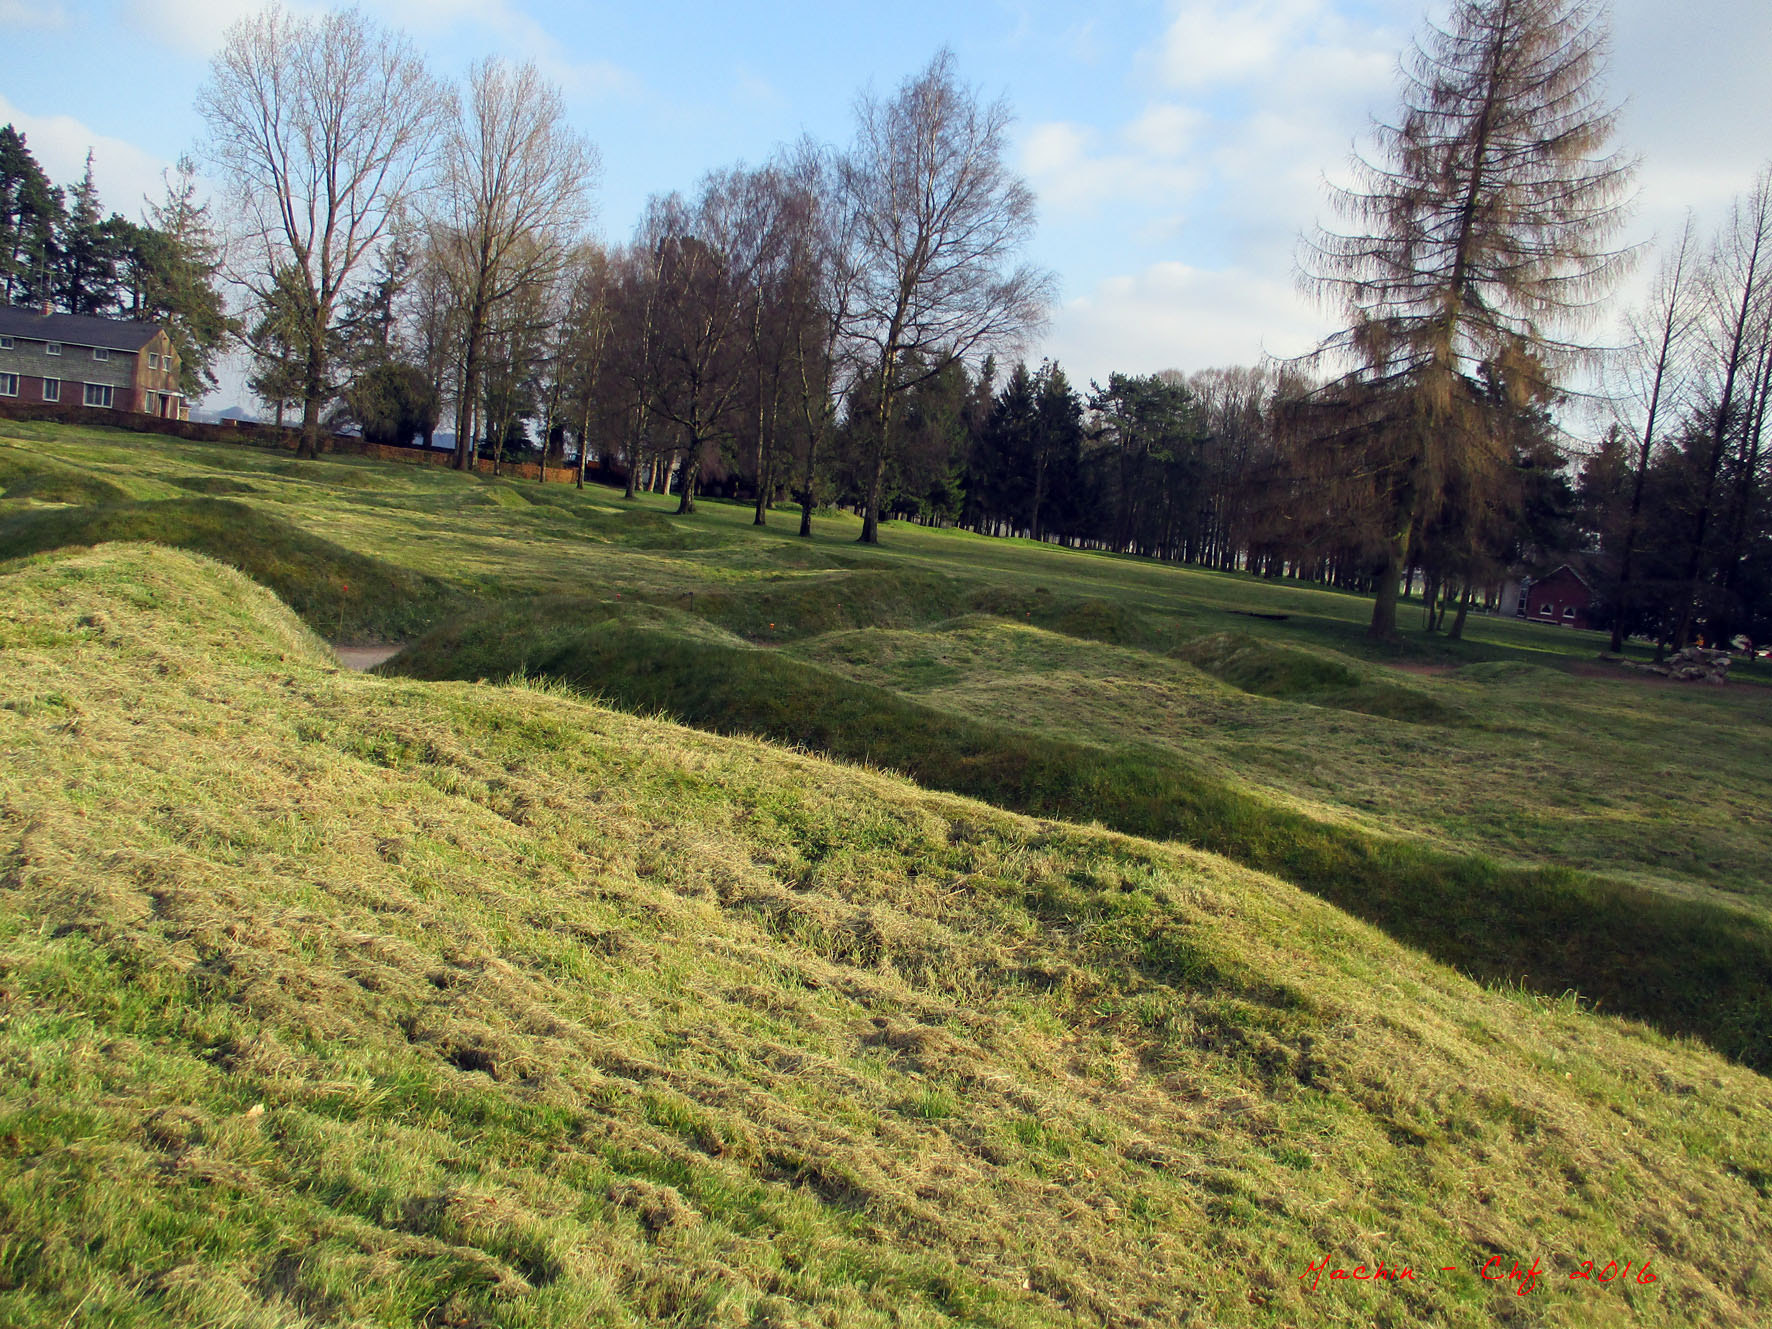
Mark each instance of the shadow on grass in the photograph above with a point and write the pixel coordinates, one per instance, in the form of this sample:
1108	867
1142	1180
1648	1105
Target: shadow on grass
1687	967
338	593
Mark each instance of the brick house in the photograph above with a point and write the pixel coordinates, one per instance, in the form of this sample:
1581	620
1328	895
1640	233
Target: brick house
82	360
1562	598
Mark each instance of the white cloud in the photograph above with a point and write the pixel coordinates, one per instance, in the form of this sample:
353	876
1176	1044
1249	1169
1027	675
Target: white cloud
756	90
1072	174
1208	43
1174	316
198	26
195	26
1166	129
44	14
123	172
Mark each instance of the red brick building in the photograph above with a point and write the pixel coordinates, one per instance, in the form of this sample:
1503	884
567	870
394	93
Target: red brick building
81	360
1562	598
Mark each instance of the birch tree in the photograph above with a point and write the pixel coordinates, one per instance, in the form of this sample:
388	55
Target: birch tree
513	201
936	220
320	126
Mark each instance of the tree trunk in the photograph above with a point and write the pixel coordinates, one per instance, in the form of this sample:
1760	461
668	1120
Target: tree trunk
870	521
691	471
310	409
1464	606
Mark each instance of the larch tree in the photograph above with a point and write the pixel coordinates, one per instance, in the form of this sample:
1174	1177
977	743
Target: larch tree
320	126
936	220
513	202
1482	230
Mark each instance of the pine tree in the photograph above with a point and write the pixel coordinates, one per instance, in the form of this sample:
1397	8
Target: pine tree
173	266
1484	228
85	263
30	215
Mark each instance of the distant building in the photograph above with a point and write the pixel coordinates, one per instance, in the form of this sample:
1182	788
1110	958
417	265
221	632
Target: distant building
1562	598
80	360
1510	602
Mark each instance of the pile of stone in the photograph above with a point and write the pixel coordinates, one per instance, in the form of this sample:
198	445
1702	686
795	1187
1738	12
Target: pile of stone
1694	664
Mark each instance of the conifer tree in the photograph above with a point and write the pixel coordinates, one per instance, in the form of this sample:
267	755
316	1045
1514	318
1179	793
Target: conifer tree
1481	231
30	215
85	263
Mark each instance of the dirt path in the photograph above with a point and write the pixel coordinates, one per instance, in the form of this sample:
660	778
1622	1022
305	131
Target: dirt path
364	657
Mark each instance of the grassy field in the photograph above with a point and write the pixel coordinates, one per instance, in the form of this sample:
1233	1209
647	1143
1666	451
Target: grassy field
411	999
337	999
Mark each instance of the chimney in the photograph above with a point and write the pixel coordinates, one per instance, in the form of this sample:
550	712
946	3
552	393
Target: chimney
48	305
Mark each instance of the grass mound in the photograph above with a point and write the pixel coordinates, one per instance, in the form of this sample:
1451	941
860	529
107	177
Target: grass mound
339	592
1689	967
29	475
336	999
1268	669
1089	617
339	474
791	607
214	484
643	529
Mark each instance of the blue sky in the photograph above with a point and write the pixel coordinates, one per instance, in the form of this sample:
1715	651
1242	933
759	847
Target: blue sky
1178	148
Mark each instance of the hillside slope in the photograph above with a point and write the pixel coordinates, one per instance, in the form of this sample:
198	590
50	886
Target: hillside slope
332	999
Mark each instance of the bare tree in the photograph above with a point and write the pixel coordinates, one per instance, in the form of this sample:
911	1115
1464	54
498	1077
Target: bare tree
634	297
1650	366
1486	228
581	345
936	217
820	280
1737	301
708	255
511	205
320	126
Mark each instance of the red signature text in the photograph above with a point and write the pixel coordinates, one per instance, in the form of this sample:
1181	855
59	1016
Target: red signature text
1526	1278
1359	1271
1523	1280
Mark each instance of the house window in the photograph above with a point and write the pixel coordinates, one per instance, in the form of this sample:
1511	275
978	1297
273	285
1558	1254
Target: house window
1545	609
1569	612
153	360
52	389
100	353
98	394
8	385
52	348
5	343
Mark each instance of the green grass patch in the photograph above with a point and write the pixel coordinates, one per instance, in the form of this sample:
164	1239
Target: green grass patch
346	594
1690	967
1269	669
340	999
26	475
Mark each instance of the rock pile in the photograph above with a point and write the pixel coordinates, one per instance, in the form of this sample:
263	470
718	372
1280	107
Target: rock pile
1694	664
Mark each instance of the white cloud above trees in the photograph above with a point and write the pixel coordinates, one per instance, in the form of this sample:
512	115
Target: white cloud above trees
123	172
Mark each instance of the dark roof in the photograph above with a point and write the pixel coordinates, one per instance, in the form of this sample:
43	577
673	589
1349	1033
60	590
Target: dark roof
114	334
1558	571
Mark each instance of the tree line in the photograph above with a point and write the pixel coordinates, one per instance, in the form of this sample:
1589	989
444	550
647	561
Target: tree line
839	325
